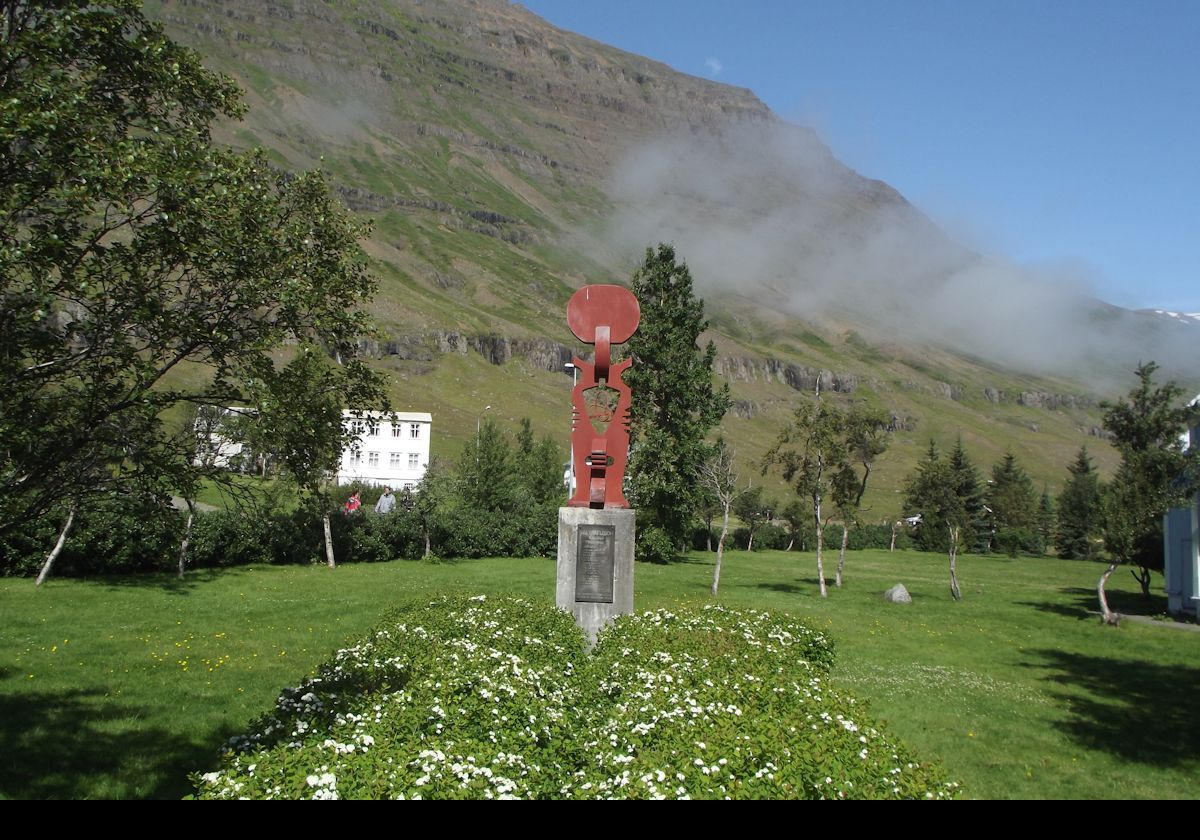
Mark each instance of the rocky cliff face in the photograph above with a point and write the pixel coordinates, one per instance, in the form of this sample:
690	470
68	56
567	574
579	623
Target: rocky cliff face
798	377
481	139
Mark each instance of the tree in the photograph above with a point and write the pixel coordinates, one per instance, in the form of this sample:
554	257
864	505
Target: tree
866	440
921	494
1079	514
142	269
485	470
812	452
1046	518
433	495
1157	472
1013	503
308	443
798	520
976	530
752	510
934	493
719	477
538	467
674	404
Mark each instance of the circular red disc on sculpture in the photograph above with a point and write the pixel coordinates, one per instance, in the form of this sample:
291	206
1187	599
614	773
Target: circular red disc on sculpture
597	306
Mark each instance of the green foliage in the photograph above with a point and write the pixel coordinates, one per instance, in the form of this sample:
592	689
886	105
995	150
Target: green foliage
1157	470
674	404
798	521
827	453
493	475
868	536
945	493
132	246
115	534
538	465
462	531
1014	505
485	470
1079	515
655	545
751	508
1046	520
487	698
964	478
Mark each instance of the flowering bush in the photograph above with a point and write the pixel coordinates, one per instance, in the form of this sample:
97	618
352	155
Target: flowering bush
497	698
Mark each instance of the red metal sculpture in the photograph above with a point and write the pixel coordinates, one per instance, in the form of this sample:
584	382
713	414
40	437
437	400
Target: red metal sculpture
603	316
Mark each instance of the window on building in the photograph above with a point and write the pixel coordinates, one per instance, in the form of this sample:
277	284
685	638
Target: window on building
397	429
373	428
356	457
372	459
357	428
414	460
414	430
395	459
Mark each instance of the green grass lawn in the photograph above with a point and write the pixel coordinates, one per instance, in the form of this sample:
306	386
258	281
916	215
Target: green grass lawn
120	687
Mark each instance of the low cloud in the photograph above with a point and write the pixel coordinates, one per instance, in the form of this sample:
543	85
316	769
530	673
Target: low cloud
714	66
764	210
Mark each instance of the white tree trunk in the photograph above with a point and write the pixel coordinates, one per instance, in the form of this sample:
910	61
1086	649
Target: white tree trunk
1107	615
820	547
720	553
58	546
328	543
750	542
895	528
837	580
187	537
791	543
955	592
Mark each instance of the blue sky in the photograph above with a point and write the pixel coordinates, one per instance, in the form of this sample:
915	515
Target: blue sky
1057	133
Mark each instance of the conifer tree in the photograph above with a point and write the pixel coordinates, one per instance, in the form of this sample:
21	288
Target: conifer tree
1045	522
1157	472
920	499
932	493
1013	503
1079	516
675	404
976	530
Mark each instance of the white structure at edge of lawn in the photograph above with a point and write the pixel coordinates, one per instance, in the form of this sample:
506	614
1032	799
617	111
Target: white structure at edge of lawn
386	448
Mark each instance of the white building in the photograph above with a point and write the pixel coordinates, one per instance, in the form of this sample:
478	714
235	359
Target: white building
387	449
1181	547
214	446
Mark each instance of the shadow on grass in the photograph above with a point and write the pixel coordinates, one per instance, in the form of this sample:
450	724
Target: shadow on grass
1084	603
169	582
687	560
785	588
81	744
1135	710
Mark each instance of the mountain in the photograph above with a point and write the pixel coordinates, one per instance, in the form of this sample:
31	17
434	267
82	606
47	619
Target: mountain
506	162
1188	318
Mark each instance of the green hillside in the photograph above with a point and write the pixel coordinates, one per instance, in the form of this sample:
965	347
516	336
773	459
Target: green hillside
480	140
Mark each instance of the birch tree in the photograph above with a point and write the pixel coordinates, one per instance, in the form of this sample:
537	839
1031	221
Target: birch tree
809	452
719	477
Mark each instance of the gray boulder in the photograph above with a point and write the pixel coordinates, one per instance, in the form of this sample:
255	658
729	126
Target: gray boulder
897	595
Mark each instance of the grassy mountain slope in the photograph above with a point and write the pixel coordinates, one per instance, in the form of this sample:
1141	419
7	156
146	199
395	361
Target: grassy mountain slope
481	141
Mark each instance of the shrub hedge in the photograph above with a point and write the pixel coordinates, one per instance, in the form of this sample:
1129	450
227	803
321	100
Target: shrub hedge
497	698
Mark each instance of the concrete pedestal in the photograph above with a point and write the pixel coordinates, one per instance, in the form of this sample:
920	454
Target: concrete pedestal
595	565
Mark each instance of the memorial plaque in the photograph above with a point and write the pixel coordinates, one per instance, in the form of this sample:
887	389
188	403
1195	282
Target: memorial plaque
594	564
